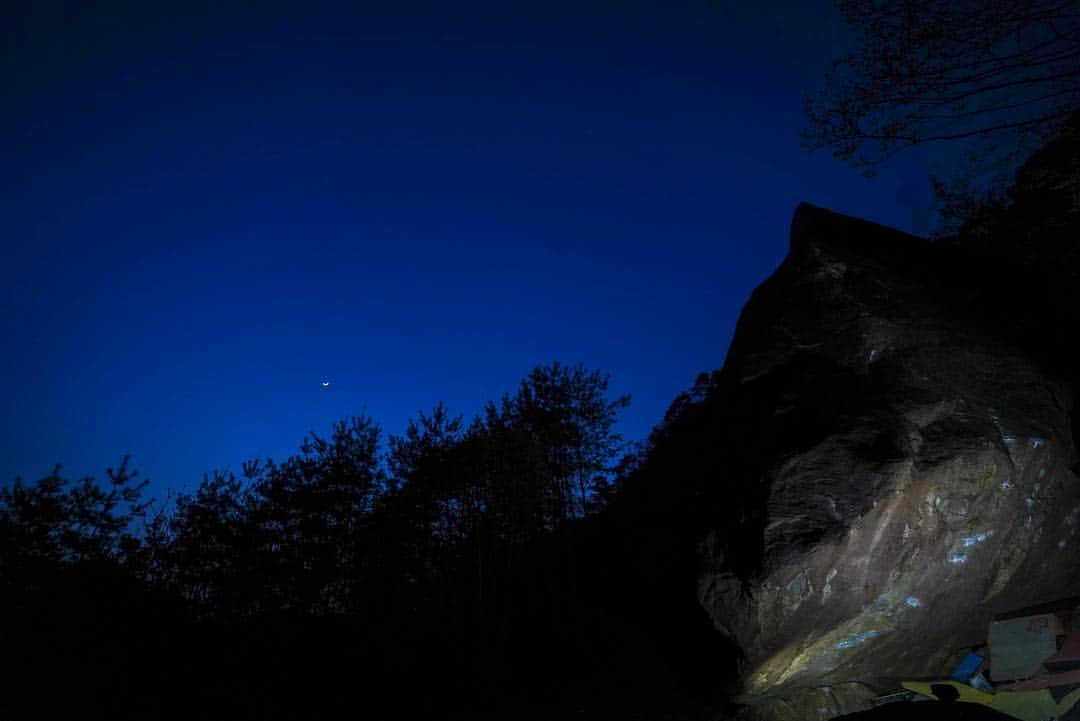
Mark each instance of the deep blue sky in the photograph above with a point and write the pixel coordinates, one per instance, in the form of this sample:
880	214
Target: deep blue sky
206	212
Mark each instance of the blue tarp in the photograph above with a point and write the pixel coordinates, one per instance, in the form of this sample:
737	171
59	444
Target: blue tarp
967	667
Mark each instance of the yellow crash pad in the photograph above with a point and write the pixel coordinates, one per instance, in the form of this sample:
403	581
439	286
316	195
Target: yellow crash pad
1024	705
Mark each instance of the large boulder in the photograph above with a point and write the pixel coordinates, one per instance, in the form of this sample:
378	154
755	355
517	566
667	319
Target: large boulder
902	467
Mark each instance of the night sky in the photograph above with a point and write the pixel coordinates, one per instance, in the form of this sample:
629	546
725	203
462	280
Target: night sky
207	213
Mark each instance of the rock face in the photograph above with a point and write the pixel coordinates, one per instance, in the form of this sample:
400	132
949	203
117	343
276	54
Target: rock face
901	465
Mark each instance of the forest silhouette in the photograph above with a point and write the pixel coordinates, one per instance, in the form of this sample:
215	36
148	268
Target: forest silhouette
522	562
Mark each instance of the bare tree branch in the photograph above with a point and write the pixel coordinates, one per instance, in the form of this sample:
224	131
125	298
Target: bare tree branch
947	70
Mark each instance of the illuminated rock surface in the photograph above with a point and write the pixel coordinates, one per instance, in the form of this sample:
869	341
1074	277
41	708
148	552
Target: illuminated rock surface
906	466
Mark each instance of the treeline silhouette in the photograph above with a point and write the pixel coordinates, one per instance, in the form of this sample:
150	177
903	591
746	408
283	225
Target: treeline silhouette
518	565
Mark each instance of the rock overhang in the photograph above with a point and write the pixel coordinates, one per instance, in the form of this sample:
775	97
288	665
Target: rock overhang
935	490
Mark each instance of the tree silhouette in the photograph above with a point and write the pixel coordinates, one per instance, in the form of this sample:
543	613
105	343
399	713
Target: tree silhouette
54	521
1004	74
309	514
207	543
560	425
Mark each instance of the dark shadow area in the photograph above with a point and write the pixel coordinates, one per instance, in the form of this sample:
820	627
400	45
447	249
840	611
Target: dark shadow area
929	711
482	570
